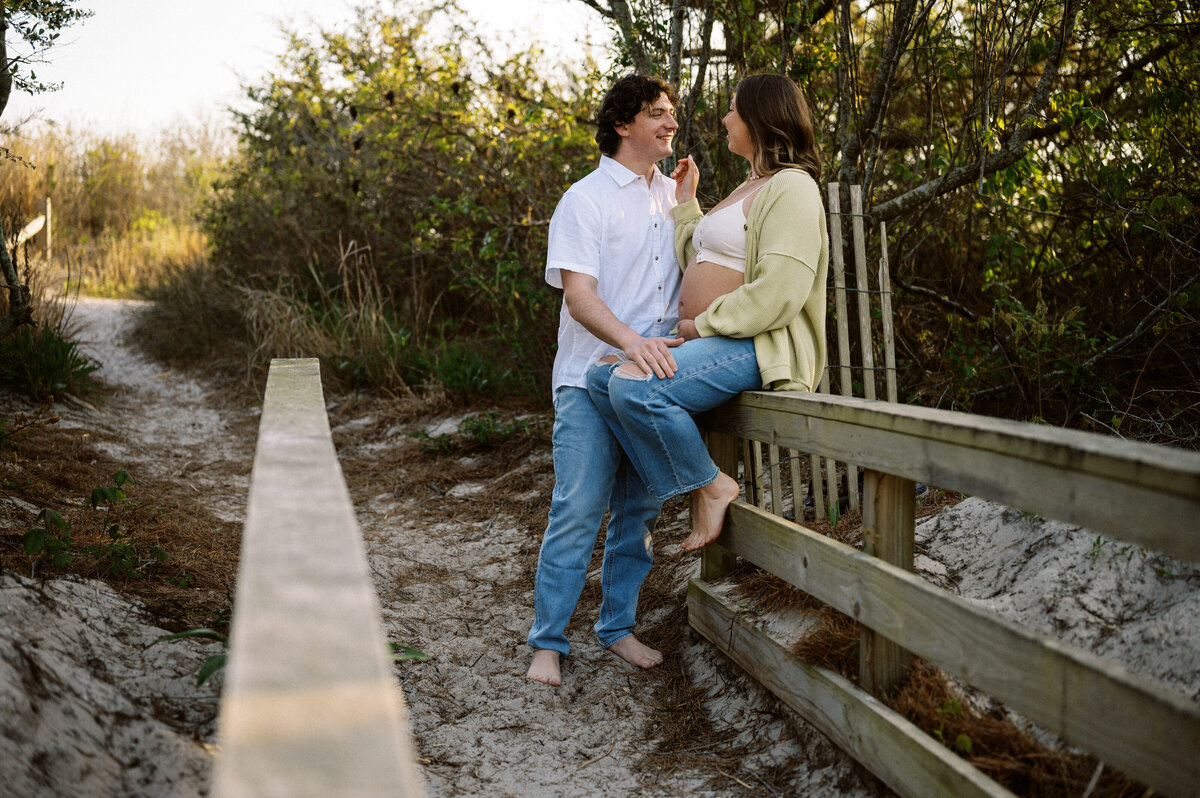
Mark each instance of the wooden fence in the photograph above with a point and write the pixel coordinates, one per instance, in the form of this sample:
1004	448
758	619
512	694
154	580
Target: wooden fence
1143	494
35	226
310	705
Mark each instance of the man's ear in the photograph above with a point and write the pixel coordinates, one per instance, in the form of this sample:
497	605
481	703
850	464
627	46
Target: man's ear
622	129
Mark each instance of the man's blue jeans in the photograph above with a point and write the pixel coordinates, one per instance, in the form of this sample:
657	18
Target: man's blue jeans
592	474
652	417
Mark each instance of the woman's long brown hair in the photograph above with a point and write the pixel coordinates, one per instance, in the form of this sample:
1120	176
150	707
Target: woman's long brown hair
781	125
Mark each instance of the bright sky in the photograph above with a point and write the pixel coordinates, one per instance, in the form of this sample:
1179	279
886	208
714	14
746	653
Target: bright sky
140	65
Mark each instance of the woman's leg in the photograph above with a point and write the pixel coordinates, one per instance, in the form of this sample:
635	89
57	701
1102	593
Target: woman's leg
659	434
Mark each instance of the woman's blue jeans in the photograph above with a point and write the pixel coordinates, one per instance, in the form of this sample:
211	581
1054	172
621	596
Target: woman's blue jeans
592	474
652	417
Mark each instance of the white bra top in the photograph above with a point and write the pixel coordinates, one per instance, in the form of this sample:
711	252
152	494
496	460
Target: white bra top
720	238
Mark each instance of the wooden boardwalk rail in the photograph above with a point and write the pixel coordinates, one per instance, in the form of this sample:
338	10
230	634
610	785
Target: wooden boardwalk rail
1140	493
310	705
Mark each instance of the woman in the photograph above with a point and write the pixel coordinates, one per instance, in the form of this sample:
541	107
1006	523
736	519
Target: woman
752	303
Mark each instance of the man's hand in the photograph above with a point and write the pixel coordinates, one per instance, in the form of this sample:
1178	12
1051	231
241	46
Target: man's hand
687	329
654	354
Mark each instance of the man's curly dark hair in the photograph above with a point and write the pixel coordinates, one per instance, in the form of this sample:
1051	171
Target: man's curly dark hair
625	100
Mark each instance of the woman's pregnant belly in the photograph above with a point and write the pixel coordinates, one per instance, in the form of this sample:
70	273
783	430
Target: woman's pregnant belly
702	283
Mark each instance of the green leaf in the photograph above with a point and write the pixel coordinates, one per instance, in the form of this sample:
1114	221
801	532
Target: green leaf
211	634
210	666
401	653
35	540
48	516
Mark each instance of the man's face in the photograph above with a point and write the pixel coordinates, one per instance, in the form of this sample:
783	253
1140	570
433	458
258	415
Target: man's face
651	132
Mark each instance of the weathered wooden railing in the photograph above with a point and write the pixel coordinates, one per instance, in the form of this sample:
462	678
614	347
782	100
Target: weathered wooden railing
1140	493
310	705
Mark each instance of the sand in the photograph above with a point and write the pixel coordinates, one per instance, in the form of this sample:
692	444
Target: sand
451	535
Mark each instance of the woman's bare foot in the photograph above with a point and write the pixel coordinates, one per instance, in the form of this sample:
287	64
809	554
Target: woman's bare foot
544	668
708	510
635	652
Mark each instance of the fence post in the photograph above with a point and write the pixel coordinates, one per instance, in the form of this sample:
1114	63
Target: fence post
715	559
49	228
889	505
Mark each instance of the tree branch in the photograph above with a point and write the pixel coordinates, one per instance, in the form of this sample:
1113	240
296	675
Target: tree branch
619	12
903	26
1012	150
676	46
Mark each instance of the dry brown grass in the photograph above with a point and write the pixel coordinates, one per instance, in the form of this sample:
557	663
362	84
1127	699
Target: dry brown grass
998	747
54	467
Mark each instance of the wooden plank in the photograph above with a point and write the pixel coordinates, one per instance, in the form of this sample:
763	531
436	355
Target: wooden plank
899	753
776	470
30	230
797	486
819	507
1137	492
838	267
1069	691
754	472
885	305
715	560
862	284
310	706
888	511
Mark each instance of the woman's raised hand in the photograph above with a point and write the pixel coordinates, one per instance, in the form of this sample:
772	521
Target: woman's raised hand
686	177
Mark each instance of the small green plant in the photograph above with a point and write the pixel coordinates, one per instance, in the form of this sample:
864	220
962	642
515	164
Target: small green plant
952	708
487	429
52	538
112	495
44	363
211	665
441	443
1098	546
121	559
834	511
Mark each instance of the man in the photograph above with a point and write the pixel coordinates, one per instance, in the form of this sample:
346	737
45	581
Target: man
611	250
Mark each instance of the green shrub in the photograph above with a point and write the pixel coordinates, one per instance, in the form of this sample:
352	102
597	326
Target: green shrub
44	363
389	204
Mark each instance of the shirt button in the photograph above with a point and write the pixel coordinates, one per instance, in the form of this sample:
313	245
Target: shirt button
660	321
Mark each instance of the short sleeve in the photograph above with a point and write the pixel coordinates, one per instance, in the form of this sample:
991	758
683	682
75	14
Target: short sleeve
574	238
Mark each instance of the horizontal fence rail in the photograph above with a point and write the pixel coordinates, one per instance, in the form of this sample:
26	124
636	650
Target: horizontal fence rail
1144	494
310	705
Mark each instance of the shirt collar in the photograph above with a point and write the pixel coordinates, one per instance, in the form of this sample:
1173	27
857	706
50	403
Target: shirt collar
620	174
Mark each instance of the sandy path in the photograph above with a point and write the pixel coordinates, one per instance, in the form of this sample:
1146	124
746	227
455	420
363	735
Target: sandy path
451	550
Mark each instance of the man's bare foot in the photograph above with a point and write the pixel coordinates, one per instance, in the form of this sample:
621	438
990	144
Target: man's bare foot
635	652
708	510
544	668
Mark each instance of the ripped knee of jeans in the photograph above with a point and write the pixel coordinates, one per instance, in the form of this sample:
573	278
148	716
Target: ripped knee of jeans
631	371
608	360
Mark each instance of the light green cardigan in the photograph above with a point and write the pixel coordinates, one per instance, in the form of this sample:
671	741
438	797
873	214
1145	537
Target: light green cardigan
781	304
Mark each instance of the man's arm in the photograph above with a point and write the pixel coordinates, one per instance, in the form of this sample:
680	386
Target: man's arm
587	308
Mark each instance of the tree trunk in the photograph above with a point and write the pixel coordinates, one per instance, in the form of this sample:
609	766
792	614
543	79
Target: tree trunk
5	72
19	309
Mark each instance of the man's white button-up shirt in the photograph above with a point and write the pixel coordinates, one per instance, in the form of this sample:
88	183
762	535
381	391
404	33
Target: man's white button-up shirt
612	226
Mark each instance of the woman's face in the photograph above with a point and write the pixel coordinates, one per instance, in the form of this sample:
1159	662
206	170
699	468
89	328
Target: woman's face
739	133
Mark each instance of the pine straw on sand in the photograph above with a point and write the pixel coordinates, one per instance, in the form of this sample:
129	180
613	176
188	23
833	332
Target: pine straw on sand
935	703
57	468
